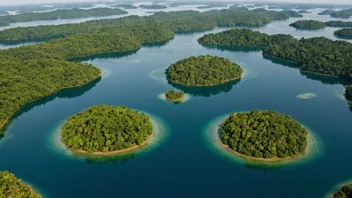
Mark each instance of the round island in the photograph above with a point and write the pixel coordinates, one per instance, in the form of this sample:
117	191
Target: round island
10	186
203	71
174	96
263	136
103	129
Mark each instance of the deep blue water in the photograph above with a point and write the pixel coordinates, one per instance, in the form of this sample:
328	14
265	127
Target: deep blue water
183	163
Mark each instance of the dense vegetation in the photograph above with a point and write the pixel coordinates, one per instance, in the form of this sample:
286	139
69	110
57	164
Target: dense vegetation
176	21
236	8
308	25
11	187
349	92
126	6
213	5
203	71
342	14
4	23
174	95
339	23
61	14
345	192
155	6
291	13
105	128
264	134
345	33
303	12
326	12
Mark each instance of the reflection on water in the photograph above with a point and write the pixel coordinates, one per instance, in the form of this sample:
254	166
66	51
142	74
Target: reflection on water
156	44
112	55
206	91
282	61
328	80
65	93
234	48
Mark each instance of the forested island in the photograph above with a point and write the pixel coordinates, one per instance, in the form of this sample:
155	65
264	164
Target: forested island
303	12
342	14
125	6
349	93
155	6
61	14
214	5
106	129
264	135
339	24
319	55
203	71
10	186
326	12
175	96
291	13
308	25
345	192
345	33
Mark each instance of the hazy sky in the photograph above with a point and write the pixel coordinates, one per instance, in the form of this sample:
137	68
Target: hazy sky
12	2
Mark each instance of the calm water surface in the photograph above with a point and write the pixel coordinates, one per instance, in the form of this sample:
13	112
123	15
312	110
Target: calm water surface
184	164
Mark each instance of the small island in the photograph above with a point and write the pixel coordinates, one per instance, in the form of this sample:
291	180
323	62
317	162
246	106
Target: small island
103	129
264	136
125	6
341	24
10	186
203	71
291	13
308	25
345	192
345	14
155	6
326	12
303	12
175	96
345	33
349	93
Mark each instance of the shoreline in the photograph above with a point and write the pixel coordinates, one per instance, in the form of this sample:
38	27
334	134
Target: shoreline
174	100
6	121
211	85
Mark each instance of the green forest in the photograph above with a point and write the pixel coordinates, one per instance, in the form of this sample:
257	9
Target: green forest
264	134
320	55
339	24
303	12
125	6
345	33
11	187
155	6
308	25
203	71
170	21
342	14
349	92
345	192
174	95
326	12
105	128
60	14
291	13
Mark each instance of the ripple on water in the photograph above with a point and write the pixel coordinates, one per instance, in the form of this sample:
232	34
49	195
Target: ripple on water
212	140
159	75
162	96
160	132
306	96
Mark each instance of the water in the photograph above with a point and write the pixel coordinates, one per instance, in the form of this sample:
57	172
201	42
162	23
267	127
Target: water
184	163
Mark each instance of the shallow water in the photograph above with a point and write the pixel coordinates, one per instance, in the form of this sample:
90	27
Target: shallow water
183	164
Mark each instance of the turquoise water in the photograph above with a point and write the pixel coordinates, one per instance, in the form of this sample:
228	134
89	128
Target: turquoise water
184	162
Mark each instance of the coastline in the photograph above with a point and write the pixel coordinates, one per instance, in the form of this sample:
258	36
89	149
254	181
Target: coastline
185	98
174	100
5	122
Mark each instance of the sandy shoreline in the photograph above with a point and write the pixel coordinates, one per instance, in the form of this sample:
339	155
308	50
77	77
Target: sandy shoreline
175	100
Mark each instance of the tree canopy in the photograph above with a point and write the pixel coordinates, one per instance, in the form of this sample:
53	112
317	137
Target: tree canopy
349	92
264	134
345	33
345	192
105	128
10	186
326	12
60	14
203	71
342	14
291	13
174	95
308	25
339	23
125	6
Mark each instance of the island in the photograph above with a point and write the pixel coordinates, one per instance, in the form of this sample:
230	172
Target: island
264	136
345	192
349	93
61	14
203	71
303	12
340	24
104	129
4	23
213	5
346	14
10	186
326	12
125	6
155	6
175	96
345	33
291	13
308	25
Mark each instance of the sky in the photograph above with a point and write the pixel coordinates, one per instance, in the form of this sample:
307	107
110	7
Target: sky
16	2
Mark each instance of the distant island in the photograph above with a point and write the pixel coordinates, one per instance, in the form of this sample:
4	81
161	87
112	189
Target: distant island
346	14
345	33
155	6
341	24
125	6
303	12
10	186
106	129
264	136
291	13
349	93
345	192
214	5
175	96
203	71
60	14
326	12
308	25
